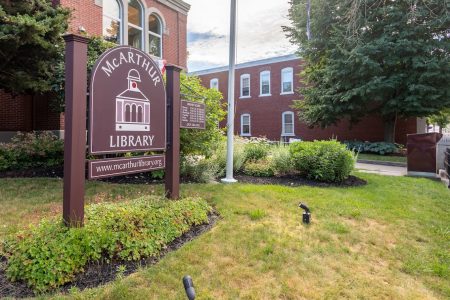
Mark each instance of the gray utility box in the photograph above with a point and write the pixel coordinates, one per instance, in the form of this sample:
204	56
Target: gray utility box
441	147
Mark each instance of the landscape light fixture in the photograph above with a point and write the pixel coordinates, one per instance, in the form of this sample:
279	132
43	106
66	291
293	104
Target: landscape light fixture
306	214
189	287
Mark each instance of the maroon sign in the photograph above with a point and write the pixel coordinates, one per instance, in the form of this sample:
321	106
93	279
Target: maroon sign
192	115
127	103
101	168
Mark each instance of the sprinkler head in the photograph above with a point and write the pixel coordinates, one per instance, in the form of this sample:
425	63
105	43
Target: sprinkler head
189	287
306	217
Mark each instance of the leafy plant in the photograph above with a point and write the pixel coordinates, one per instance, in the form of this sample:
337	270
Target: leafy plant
31	150
280	160
259	168
381	148
256	149
50	254
199	169
328	161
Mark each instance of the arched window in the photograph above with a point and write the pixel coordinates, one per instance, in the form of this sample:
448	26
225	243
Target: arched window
287	79
133	113
135	24
264	83
214	83
112	21
139	114
245	86
245	125
155	31
287	119
127	113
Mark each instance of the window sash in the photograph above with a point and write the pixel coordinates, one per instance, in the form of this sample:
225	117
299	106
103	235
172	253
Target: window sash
265	83
245	86
245	125
287	81
288	123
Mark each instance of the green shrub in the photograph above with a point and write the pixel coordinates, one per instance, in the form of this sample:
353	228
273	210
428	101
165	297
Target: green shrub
220	156
259	168
381	148
50	254
199	169
327	161
280	160
256	149
31	150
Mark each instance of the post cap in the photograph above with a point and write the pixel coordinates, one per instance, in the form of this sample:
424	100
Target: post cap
70	37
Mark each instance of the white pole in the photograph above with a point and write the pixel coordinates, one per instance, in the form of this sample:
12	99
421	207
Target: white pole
230	123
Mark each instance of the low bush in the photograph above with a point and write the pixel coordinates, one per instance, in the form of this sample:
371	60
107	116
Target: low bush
381	148
220	156
199	169
328	161
259	168
256	149
50	254
31	150
280	160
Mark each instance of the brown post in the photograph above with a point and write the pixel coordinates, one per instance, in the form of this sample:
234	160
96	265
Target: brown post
75	129
173	132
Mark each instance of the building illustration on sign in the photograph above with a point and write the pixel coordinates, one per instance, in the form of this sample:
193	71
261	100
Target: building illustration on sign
132	106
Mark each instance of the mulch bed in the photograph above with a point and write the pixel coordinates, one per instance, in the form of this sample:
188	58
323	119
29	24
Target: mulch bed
55	172
293	180
100	273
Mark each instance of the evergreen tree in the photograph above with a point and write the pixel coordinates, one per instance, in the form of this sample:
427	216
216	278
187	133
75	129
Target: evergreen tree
30	44
372	57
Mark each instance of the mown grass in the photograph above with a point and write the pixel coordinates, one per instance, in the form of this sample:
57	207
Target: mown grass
387	240
385	158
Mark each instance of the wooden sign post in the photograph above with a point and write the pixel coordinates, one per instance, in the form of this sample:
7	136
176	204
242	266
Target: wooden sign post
75	129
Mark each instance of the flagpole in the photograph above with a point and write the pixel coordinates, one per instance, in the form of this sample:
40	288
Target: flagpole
230	123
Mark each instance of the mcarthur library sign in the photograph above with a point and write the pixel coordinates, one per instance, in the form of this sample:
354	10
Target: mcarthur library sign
127	103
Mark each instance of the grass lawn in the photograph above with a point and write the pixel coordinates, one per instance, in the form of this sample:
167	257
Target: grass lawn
387	240
387	158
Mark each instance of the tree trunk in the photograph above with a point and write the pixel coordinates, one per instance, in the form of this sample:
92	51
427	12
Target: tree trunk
389	129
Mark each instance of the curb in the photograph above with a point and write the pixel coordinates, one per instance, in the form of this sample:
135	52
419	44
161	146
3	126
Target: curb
382	163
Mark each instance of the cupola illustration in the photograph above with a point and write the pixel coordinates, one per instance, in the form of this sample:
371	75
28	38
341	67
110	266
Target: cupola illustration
132	106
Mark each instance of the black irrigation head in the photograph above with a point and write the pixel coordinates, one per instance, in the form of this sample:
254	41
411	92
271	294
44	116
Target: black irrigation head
189	287
306	218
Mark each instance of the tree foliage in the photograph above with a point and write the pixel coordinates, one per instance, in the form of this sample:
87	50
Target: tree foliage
442	119
30	44
372	56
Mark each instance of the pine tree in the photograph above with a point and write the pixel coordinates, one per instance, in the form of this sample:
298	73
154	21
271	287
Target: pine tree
30	44
372	57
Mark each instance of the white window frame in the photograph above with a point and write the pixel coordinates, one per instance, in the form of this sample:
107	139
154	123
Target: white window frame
160	36
291	71
283	123
211	83
249	125
120	20
261	74
143	29
245	76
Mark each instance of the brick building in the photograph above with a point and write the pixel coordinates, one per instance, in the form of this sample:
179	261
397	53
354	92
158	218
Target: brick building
264	91
155	26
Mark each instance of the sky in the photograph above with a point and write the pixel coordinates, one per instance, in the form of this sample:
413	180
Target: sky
259	33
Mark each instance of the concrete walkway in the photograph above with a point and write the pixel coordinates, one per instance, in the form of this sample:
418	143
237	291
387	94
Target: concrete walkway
381	169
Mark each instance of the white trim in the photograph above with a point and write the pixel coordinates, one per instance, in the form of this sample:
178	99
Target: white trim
245	76
143	27
261	74
249	125
291	71
248	64
283	124
160	36
211	83
290	93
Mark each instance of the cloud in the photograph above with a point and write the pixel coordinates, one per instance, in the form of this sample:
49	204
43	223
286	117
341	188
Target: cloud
259	33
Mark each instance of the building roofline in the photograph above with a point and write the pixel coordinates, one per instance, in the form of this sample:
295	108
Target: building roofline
178	5
249	64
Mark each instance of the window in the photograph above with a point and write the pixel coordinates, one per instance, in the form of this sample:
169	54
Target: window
264	79
287	123
112	21
287	81
245	125
214	83
135	24
155	35
245	85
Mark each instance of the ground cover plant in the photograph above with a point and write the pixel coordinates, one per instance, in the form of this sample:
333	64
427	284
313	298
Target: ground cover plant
380	148
386	240
49	254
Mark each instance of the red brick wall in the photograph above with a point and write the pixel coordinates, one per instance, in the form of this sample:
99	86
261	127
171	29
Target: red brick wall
15	112
45	118
84	13
266	112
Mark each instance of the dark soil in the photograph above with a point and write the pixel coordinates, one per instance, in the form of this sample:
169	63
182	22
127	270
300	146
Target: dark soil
294	180
54	172
100	273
